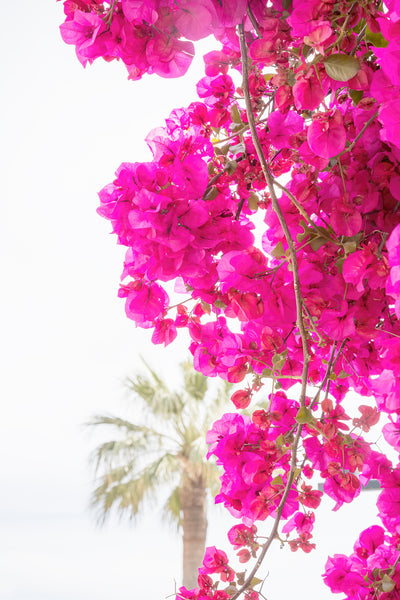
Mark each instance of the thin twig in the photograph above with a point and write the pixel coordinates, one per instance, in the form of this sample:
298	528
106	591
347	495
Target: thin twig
295	202
330	366
300	323
253	21
275	526
218	175
354	142
275	204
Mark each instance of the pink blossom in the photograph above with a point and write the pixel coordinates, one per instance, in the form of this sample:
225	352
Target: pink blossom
83	31
391	433
389	59
144	302
140	10
389	116
308	92
282	127
340	575
326	134
195	20
169	57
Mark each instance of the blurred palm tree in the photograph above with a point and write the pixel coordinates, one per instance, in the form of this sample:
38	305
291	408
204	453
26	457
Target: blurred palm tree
163	448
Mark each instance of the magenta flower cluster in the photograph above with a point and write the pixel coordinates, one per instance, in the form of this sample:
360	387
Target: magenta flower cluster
314	299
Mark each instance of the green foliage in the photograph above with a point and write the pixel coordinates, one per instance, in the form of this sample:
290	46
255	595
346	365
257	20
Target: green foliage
164	444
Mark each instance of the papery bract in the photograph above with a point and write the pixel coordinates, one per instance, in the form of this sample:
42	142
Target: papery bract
326	134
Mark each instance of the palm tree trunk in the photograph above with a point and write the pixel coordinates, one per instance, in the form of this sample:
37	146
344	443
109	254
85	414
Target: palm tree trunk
194	507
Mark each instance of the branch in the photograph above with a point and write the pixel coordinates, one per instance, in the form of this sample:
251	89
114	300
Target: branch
275	204
253	21
219	174
331	365
299	303
274	529
296	203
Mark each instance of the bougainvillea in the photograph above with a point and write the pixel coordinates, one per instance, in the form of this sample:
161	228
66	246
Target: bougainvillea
297	127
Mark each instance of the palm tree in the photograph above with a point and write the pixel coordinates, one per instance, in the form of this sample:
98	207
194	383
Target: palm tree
168	451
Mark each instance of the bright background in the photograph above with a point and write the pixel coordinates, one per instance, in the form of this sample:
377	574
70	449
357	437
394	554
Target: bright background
67	345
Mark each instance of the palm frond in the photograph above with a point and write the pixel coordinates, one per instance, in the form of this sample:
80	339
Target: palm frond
172	508
142	460
137	441
123	489
195	383
157	398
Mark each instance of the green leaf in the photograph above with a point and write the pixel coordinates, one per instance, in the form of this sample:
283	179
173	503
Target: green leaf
278	361
255	581
266	373
219	304
278	251
252	201
350	246
211	194
356	96
304	415
231	167
341	67
278	481
375	38
235	114
301	236
206	307
343	375
222	150
387	584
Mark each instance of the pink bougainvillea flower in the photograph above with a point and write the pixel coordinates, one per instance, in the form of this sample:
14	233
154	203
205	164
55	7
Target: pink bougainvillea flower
389	116
386	388
140	10
389	59
370	539
304	17
216	561
241	398
195	20
382	88
241	535
83	31
369	417
320	33
346	219
391	433
164	332
302	522
355	267
263	50
393	282
282	127
338	323
307	92
169	57
326	135
144	302
341	578
230	12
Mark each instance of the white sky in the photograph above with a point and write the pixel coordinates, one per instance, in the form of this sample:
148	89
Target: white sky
67	344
